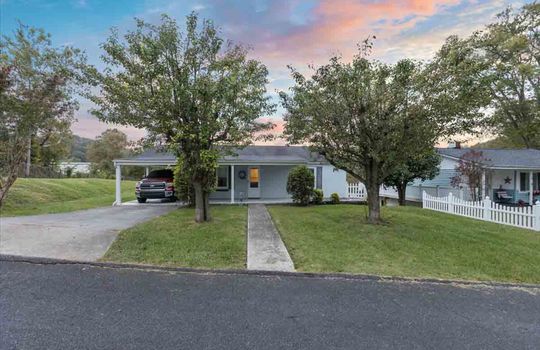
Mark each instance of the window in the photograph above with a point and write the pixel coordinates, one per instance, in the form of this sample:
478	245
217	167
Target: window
222	175
161	174
523	182
314	177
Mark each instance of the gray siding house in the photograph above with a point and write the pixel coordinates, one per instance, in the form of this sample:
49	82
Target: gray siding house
253	173
510	176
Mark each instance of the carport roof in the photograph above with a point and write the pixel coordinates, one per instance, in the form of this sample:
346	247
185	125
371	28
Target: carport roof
246	155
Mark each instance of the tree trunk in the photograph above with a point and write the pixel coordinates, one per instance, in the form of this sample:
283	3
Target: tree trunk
6	185
373	187
206	197
401	189
28	158
199	202
374	203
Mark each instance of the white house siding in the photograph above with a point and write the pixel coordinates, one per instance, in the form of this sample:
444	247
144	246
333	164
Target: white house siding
448	163
497	180
273	182
334	181
240	186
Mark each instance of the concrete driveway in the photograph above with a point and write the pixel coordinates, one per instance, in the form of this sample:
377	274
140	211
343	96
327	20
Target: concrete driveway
80	235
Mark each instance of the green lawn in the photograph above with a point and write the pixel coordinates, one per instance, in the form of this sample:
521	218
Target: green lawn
44	196
176	240
414	243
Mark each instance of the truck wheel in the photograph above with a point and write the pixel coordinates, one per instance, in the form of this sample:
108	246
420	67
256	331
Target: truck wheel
141	200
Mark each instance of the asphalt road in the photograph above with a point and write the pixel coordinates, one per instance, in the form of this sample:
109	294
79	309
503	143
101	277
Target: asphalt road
85	307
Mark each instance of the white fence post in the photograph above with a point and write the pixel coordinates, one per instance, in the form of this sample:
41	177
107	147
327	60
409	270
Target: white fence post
450	200
536	216
487	209
525	217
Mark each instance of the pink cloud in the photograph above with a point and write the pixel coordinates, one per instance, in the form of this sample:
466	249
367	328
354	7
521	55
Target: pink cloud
91	127
338	26
277	132
278	38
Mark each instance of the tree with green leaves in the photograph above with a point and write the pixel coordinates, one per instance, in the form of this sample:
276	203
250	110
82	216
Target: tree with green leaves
502	63
110	145
189	89
37	88
52	144
365	117
421	166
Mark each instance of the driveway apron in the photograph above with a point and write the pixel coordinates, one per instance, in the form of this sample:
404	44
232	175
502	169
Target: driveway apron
265	250
80	235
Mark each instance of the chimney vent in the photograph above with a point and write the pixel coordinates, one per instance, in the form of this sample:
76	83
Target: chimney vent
454	144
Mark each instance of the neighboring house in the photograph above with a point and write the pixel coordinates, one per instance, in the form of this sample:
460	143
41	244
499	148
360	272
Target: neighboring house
511	176
253	173
77	167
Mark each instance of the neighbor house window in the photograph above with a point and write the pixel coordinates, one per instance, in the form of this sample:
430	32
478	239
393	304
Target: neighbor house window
523	182
222	178
314	177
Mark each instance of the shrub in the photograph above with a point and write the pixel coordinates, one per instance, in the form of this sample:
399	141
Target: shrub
335	198
318	196
182	186
300	184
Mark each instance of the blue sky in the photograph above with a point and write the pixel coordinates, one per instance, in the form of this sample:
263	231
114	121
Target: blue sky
280	32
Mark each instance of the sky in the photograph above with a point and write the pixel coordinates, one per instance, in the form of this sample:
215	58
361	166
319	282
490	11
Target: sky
279	32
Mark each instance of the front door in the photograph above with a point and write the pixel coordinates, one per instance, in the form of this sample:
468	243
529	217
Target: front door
254	186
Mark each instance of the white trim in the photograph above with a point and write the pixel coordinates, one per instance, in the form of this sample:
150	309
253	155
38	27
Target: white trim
169	162
531	187
232	183
118	186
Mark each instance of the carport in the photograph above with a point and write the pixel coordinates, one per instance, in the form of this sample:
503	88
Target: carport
147	159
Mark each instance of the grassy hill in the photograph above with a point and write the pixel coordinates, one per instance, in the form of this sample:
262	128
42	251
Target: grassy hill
43	196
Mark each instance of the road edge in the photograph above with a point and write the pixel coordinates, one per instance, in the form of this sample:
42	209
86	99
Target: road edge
337	276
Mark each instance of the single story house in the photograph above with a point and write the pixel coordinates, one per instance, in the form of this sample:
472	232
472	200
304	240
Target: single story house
76	167
510	176
253	173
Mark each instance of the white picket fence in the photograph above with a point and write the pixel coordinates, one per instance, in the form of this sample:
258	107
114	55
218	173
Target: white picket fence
525	217
357	191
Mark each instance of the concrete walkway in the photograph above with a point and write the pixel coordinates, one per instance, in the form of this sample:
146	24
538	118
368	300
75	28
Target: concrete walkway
265	249
80	235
